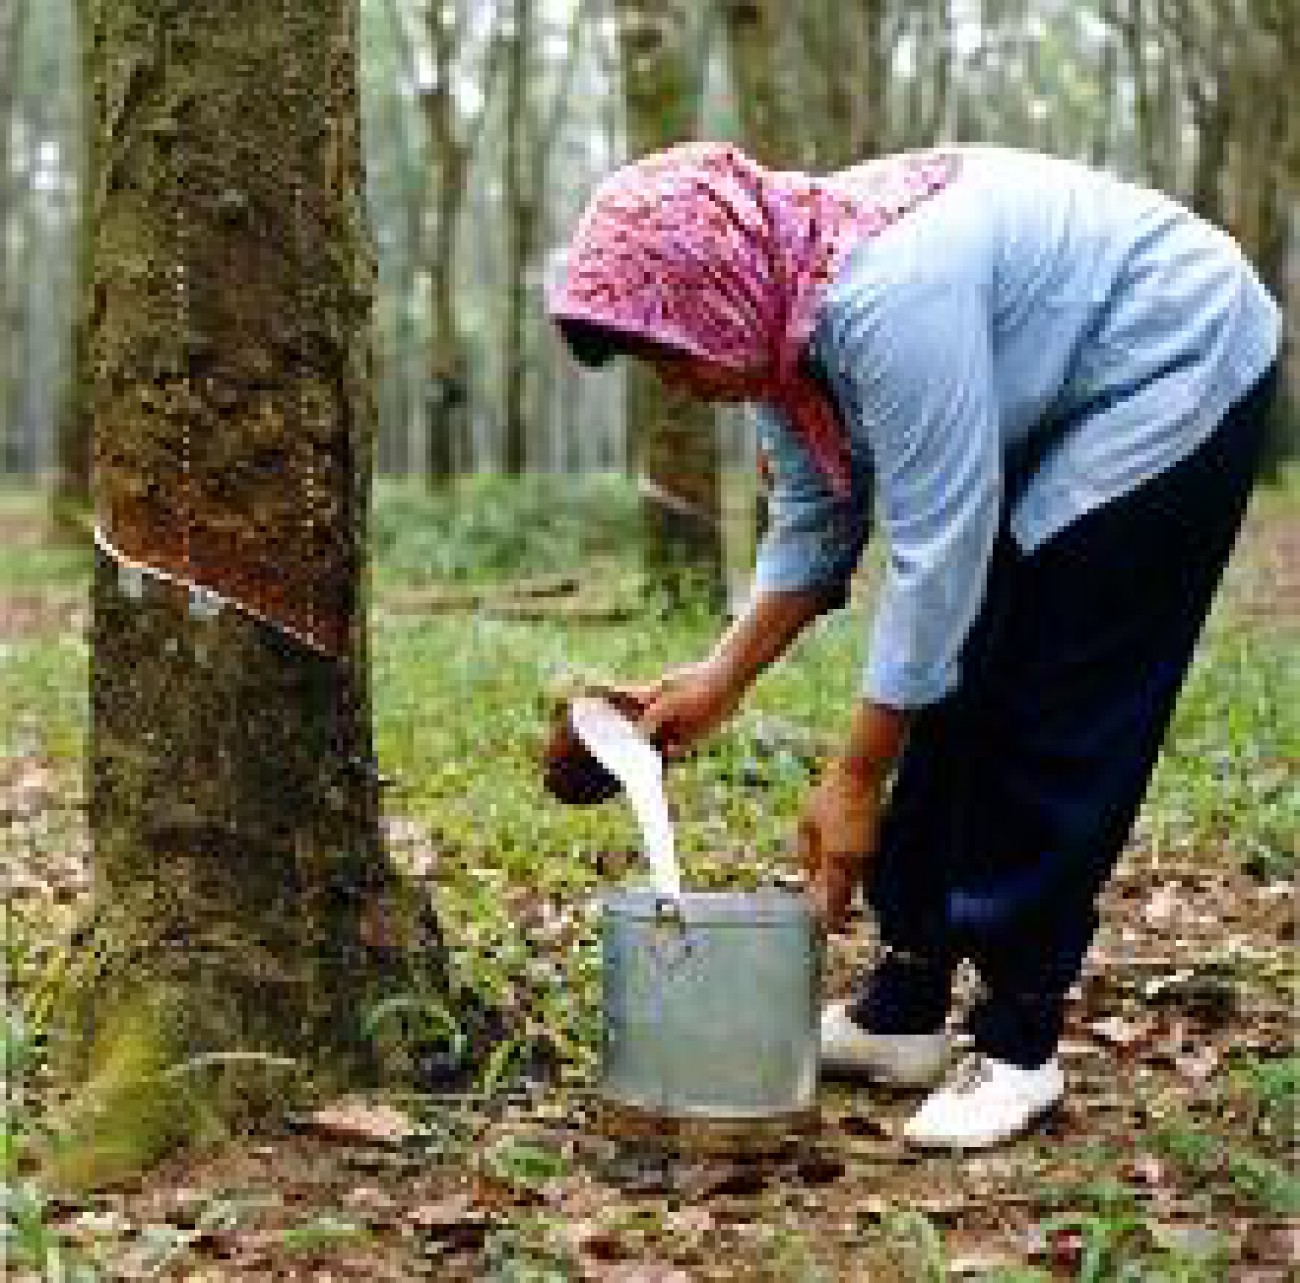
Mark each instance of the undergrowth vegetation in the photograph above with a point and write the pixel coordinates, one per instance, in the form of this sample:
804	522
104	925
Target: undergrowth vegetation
487	525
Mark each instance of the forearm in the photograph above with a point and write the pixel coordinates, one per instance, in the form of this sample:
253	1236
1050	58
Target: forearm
766	629
876	736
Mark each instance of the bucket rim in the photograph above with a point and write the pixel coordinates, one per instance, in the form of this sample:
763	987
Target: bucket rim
766	906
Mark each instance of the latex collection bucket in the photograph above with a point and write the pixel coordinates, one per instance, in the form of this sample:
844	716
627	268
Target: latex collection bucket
710	1014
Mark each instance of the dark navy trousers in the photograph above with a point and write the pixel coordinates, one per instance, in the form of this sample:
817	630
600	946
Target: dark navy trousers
1016	794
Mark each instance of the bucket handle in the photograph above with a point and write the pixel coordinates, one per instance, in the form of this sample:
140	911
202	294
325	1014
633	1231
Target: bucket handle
668	909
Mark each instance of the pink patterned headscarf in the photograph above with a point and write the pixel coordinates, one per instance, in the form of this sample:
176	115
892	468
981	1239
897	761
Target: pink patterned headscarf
701	249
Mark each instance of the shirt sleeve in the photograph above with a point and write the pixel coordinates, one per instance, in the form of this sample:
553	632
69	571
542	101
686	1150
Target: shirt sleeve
814	538
917	363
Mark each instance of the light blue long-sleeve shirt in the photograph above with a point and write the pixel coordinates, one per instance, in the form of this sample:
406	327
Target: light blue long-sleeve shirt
1034	301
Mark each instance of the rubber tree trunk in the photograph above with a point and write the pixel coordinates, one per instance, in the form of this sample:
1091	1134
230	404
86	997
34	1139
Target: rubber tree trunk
843	91
1264	183
926	93
72	476
758	46
246	915
1134	28
448	381
1213	136
759	40
448	408
675	439
522	213
12	16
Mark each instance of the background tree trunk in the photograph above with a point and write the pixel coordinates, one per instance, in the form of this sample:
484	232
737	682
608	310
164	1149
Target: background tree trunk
448	360
14	199
674	437
848	50
759	48
1133	22
72	480
448	373
244	902
11	44
522	213
758	45
1264	176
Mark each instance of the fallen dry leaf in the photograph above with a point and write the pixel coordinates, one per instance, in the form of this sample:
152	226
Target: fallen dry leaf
648	1271
1273	1243
1148	1170
371	1202
454	1221
355	1122
1198	1066
593	1239
690	1220
1185	1238
980	1264
734	1180
820	1168
444	1212
29	791
1164	907
1119	1032
941	1207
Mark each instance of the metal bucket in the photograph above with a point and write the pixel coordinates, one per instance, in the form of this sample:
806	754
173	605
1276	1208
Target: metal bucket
711	1013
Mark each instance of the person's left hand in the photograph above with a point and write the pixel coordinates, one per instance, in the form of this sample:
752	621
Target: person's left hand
837	837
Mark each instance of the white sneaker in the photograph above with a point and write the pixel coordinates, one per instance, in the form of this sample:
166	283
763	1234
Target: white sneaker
901	1060
983	1103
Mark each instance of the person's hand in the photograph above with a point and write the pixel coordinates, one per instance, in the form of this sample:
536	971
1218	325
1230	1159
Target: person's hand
837	836
686	705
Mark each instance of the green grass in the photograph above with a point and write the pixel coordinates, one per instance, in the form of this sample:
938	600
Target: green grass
1229	773
30	560
43	693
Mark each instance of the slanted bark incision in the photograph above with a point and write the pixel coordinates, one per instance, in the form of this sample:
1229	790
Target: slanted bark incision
244	901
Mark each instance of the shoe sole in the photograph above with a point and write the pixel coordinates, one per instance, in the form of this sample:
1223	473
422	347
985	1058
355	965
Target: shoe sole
845	1072
1048	1114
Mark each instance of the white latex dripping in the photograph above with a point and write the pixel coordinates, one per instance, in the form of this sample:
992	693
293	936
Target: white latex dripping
620	747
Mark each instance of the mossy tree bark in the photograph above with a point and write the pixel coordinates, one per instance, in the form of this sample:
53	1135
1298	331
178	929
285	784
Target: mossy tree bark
246	915
675	439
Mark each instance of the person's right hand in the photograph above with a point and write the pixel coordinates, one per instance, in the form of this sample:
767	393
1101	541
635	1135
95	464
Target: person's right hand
686	705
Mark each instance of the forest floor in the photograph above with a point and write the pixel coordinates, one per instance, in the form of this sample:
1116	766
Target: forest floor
1172	1159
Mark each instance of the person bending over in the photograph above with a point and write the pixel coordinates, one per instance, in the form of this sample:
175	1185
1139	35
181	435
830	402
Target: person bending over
1051	388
